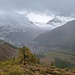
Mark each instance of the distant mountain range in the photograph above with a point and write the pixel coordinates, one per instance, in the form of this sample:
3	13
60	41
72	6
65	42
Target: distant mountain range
61	37
17	28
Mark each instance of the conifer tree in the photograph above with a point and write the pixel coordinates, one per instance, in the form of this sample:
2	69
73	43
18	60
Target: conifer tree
26	56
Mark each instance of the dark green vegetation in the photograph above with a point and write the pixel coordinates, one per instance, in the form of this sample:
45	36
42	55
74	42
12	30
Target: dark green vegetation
63	64
7	43
40	55
13	46
61	57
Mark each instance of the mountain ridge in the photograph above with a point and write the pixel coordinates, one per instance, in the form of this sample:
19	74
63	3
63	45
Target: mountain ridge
62	37
7	50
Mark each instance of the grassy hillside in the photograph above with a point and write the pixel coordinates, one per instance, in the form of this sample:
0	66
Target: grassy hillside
65	56
31	67
7	50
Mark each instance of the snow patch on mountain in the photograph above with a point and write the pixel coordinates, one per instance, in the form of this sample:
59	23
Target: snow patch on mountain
59	21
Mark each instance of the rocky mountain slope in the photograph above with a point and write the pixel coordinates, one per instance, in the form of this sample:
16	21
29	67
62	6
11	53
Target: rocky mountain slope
61	37
7	50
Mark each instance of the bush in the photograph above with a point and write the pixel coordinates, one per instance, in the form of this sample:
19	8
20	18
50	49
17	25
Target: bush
63	64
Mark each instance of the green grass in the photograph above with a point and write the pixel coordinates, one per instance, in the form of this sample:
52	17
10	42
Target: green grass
40	55
65	55
62	55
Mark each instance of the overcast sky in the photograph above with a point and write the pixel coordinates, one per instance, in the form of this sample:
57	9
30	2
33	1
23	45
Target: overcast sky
64	7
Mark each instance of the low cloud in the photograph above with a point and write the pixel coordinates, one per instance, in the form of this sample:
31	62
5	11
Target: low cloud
38	18
44	17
